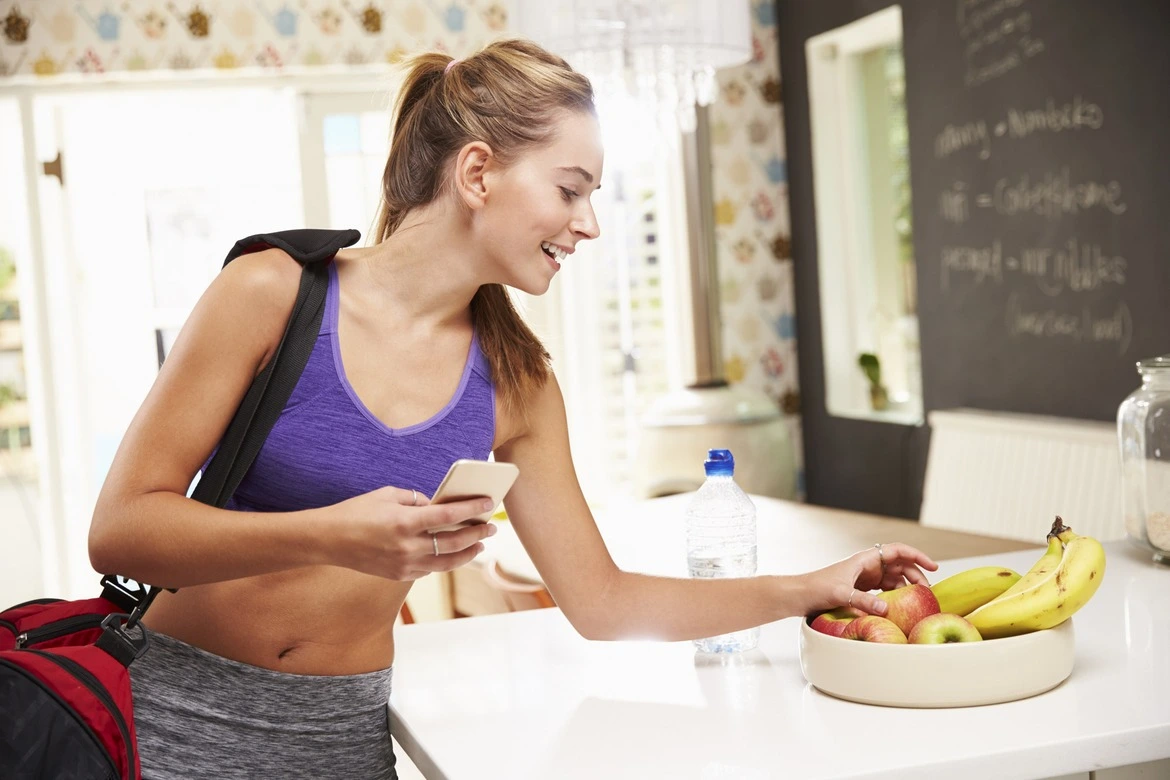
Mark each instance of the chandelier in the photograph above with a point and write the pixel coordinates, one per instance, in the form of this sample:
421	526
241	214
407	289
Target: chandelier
662	54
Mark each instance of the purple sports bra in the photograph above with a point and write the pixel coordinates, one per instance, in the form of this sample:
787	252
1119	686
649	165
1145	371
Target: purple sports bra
327	447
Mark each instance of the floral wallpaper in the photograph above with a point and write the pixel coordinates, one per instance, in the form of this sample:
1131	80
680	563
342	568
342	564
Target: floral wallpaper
752	224
50	38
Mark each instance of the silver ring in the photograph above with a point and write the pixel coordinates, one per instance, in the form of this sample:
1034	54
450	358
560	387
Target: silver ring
435	543
881	555
850	602
414	499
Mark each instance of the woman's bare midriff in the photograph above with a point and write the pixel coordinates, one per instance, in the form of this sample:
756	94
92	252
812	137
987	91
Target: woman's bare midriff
319	620
316	620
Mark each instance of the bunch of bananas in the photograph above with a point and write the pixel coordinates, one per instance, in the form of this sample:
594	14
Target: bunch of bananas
999	602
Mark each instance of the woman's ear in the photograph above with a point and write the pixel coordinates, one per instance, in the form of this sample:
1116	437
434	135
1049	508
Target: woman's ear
472	166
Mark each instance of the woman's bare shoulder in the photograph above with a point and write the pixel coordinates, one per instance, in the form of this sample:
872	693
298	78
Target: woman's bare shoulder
260	288
544	410
270	274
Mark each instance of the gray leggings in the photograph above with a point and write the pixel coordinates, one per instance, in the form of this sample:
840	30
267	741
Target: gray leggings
198	715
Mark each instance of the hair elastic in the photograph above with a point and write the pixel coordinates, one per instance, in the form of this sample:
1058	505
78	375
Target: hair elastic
450	65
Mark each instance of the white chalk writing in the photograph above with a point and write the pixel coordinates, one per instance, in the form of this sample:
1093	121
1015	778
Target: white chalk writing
1076	266
952	203
980	262
998	37
1051	116
1053	195
973	16
956	138
1083	326
1073	265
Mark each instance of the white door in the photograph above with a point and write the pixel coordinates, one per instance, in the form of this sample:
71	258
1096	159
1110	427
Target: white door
157	186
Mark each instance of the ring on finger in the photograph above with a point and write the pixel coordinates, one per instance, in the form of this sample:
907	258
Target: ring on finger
435	543
850	602
881	554
413	497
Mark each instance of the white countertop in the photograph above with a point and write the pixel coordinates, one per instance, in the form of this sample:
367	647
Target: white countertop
524	696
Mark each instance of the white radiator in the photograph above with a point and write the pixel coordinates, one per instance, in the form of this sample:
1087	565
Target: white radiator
1009	475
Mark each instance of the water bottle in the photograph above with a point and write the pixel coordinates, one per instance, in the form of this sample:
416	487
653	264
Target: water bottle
721	540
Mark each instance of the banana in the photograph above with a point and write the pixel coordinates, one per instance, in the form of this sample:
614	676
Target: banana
1043	567
967	591
1054	596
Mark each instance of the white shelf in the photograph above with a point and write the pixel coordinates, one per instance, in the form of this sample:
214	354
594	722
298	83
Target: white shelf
907	413
895	416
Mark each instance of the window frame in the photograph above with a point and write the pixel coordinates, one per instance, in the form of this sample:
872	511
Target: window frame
851	275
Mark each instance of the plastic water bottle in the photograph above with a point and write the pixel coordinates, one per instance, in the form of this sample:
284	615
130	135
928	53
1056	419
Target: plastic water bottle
721	540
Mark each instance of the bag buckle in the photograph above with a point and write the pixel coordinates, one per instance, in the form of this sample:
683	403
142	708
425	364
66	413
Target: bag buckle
123	591
117	640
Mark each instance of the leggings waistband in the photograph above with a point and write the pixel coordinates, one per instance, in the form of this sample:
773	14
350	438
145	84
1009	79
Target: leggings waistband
205	675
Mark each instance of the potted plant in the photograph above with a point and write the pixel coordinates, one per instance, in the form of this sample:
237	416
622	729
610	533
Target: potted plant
879	399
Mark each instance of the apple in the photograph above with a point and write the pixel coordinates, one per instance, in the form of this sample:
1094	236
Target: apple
943	627
908	605
835	621
872	628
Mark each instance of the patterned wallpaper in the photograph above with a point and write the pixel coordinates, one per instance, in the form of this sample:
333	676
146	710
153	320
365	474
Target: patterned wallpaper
50	38
751	218
753	230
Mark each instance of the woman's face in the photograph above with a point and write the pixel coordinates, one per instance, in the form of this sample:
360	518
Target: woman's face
538	208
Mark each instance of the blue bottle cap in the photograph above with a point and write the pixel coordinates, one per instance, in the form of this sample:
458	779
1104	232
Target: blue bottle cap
719	463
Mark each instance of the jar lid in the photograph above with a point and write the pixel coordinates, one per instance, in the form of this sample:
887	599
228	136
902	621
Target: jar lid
1154	363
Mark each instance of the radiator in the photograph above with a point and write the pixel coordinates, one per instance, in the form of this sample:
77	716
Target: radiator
1009	475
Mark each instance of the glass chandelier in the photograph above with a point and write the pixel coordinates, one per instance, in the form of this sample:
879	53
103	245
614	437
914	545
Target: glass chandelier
661	54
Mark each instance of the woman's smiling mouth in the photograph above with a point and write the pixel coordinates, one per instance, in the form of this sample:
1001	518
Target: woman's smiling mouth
554	254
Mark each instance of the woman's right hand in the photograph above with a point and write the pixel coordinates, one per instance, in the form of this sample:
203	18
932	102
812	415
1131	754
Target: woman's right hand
388	533
848	582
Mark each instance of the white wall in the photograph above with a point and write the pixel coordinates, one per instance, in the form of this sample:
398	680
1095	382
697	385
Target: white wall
20	569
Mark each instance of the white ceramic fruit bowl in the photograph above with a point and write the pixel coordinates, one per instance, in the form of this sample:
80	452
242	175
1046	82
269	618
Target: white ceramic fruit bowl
960	674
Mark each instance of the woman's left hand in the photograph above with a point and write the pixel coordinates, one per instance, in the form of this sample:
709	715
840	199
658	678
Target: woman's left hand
882	567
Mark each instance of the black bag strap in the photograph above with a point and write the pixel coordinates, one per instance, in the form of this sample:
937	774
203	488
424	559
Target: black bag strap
308	246
262	403
271	389
265	399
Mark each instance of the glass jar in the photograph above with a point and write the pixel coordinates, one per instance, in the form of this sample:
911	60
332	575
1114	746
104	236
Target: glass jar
1143	431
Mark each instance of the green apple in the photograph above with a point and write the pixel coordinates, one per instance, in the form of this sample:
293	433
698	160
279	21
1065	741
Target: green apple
942	628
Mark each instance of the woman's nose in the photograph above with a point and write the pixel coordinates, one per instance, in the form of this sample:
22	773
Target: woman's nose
587	226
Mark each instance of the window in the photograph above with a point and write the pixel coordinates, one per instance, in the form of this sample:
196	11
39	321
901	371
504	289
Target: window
632	343
861	179
346	139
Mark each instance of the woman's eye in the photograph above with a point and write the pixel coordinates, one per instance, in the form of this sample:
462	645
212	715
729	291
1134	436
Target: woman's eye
567	193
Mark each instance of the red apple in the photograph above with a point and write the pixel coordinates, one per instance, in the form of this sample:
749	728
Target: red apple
941	628
872	628
908	605
835	621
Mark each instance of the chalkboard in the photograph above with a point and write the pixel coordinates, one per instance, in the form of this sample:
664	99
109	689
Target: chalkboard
1039	141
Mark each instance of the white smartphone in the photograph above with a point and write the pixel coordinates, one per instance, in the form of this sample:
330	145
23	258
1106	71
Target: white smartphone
475	479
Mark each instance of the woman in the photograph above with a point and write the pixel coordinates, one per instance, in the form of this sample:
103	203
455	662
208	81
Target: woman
274	657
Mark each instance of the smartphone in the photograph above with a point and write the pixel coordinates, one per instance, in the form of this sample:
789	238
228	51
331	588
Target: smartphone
475	479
